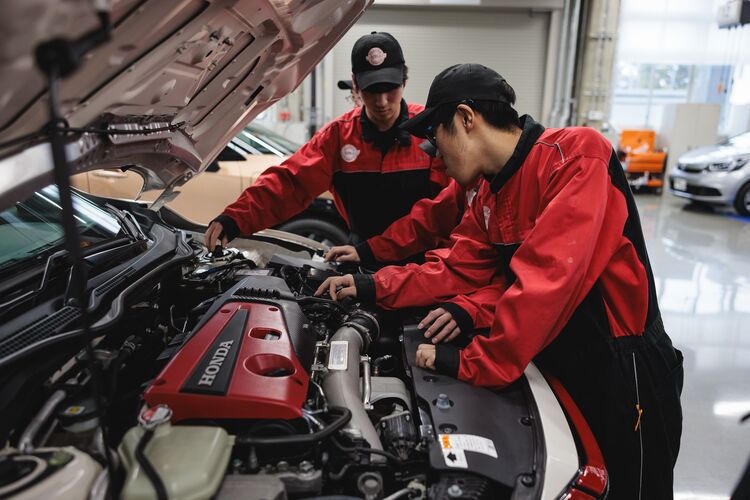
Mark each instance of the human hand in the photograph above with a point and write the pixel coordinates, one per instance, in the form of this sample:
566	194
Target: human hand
211	238
338	287
442	326
425	357
343	253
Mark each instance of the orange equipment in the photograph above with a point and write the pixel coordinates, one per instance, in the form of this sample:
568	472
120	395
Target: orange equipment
643	166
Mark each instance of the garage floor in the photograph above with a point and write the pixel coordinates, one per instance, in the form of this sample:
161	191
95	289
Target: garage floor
701	263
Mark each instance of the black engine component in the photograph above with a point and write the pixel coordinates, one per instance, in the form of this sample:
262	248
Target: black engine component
513	427
467	487
398	433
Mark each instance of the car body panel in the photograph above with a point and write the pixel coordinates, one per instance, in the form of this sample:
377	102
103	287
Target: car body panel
200	200
205	68
726	183
245	158
562	455
716	187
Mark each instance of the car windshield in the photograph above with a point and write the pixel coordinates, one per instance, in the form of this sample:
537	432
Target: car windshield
34	226
256	139
740	141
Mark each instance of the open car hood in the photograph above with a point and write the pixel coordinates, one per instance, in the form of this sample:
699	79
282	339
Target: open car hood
208	66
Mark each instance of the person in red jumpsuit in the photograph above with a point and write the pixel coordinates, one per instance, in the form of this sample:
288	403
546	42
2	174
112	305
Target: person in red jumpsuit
375	171
553	216
397	200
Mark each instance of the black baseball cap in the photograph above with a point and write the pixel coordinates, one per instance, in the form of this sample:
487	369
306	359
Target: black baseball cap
461	82
345	84
377	58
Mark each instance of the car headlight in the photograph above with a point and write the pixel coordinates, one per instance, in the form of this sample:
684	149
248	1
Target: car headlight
728	165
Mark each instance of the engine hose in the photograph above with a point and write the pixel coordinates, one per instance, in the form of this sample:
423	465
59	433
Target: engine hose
153	476
364	450
399	494
128	348
313	437
322	301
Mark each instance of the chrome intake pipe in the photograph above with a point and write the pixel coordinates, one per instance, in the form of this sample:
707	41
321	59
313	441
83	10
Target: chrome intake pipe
342	381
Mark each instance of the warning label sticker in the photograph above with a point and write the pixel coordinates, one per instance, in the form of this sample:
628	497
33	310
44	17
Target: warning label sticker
455	458
467	442
338	355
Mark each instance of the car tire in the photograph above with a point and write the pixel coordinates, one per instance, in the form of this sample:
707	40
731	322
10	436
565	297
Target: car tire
319	230
742	201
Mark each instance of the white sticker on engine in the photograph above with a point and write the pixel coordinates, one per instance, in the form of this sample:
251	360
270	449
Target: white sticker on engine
455	458
468	442
338	355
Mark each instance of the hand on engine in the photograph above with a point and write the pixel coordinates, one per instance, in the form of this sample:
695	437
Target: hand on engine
214	235
442	326
338	287
426	356
344	253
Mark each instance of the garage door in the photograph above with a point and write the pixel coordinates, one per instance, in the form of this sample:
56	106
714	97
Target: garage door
513	43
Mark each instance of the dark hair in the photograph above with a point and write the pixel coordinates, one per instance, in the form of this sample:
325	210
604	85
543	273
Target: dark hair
498	114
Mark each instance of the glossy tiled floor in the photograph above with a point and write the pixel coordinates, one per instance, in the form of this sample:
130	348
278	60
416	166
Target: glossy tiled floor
701	263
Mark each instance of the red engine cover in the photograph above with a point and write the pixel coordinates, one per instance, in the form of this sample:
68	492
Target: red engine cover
239	365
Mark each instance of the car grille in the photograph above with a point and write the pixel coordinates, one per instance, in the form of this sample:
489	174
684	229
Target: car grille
697	190
691	167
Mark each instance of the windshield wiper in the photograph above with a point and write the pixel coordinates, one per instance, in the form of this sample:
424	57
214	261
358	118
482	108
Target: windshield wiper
141	234
55	260
52	261
127	221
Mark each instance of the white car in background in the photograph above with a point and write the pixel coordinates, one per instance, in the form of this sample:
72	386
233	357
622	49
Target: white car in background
717	175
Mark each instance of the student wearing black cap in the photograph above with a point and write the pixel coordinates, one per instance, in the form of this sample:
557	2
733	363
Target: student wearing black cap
375	170
554	216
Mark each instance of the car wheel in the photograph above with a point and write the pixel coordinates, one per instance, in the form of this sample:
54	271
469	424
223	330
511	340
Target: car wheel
742	201
317	229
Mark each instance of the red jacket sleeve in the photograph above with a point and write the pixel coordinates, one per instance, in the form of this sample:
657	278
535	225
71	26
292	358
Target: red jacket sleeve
284	191
476	310
427	226
555	268
470	263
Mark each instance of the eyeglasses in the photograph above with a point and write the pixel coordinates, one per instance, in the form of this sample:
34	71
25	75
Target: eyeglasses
430	136
354	100
431	130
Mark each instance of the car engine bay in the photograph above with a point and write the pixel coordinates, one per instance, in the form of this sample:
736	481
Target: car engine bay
222	376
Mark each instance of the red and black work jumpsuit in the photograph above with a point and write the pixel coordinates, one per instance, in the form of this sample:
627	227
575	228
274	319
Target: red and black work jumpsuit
396	200
375	178
560	224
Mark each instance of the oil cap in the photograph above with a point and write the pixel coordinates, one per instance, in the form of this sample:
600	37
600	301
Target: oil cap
78	414
151	418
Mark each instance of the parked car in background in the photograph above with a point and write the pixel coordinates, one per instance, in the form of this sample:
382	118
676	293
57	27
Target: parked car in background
719	175
246	156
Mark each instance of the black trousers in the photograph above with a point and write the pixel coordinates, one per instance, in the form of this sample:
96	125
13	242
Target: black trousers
629	391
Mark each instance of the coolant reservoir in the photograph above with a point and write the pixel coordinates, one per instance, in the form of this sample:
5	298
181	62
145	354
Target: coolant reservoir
191	461
64	473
